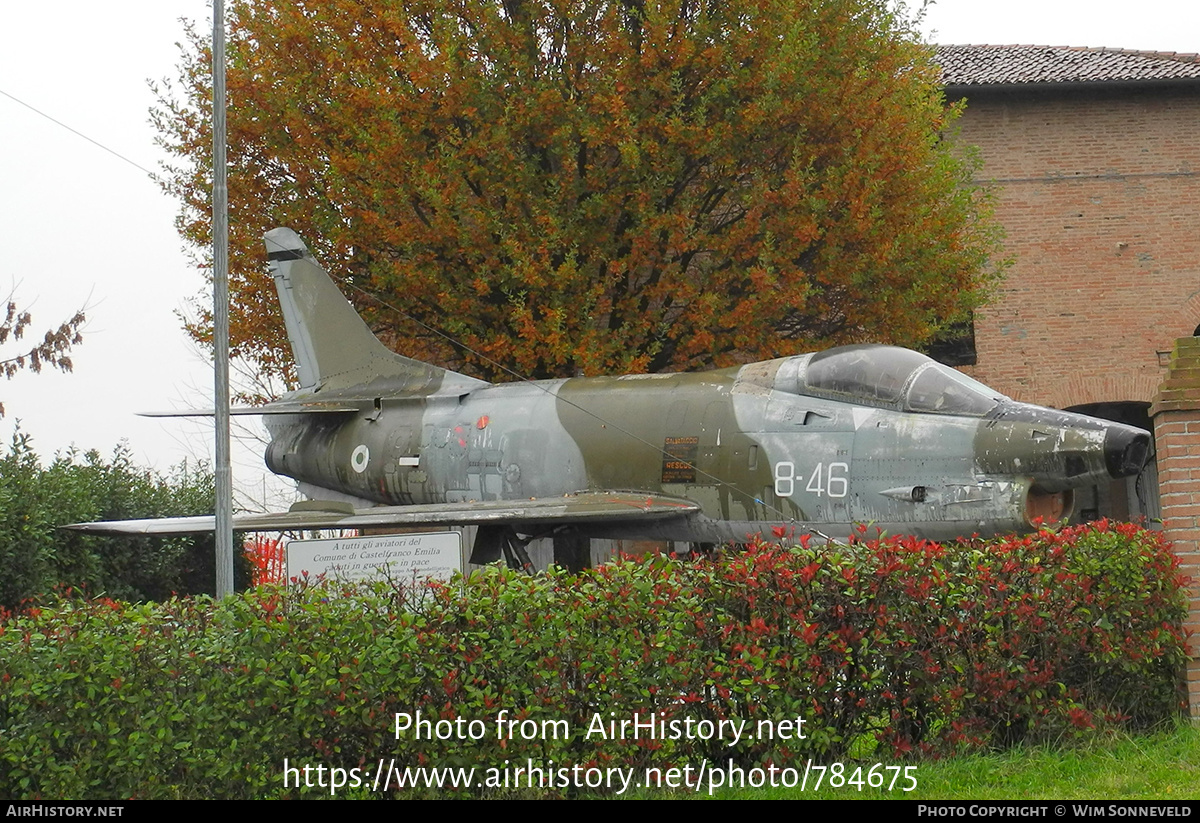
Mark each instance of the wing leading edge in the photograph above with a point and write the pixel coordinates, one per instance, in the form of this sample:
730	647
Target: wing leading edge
582	508
278	407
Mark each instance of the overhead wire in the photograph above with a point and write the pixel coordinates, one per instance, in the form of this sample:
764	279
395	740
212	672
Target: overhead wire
76	132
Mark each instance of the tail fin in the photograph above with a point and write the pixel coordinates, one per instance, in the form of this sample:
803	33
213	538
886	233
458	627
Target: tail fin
335	351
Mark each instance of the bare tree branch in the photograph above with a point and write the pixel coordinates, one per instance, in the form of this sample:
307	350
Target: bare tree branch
54	349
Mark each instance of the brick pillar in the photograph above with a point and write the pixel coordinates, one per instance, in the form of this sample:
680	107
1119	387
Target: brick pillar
1176	415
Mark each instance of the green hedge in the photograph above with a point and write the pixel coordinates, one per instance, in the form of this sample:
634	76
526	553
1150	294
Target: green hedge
886	649
37	557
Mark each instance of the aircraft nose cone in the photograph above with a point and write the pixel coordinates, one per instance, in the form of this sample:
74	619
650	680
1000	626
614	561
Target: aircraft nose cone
1126	450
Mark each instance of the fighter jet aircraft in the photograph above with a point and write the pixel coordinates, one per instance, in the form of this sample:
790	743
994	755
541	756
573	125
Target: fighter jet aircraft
818	442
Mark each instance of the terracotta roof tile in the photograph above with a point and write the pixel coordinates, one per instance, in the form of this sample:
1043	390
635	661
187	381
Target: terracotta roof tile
1005	65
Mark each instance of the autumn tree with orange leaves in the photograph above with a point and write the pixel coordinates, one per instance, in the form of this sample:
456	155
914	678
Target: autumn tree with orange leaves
589	186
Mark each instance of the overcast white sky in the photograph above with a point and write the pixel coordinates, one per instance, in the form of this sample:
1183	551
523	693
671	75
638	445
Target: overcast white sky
1152	25
78	225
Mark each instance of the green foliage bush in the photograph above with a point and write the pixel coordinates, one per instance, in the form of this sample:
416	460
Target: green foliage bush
36	556
902	645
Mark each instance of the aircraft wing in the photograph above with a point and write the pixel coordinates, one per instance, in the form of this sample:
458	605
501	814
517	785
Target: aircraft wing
278	407
581	508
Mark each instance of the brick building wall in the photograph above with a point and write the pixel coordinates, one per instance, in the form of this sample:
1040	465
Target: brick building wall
1094	155
1176	414
1099	196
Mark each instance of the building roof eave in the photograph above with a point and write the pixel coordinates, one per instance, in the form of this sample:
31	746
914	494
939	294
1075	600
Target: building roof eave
955	91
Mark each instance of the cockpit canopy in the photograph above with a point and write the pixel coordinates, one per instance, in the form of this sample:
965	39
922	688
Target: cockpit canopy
892	377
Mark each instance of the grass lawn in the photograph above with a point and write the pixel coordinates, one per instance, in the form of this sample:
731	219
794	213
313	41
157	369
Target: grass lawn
1161	766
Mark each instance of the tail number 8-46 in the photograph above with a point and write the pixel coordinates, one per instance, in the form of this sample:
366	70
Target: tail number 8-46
825	480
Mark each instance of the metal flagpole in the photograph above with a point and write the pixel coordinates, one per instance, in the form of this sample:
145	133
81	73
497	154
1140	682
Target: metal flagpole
220	228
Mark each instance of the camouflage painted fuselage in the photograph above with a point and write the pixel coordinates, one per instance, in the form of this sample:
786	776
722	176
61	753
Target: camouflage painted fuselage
755	446
821	442
817	442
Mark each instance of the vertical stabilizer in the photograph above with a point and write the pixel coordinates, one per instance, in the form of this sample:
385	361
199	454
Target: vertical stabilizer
335	351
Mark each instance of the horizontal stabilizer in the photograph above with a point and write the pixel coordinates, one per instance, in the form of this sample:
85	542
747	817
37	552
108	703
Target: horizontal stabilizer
582	508
280	407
